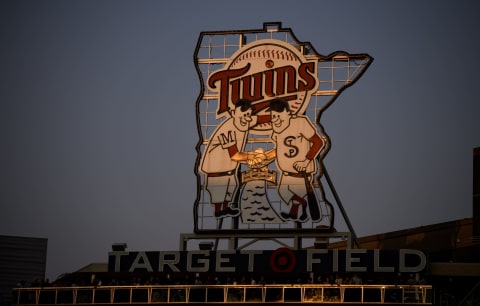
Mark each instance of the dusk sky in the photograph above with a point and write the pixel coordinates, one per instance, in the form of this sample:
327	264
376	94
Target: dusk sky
98	130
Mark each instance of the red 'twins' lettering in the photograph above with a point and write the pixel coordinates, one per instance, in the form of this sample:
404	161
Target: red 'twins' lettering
257	86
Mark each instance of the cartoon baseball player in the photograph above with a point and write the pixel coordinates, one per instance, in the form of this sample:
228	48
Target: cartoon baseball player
297	143
223	154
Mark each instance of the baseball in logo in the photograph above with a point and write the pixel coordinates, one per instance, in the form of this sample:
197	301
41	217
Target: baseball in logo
262	71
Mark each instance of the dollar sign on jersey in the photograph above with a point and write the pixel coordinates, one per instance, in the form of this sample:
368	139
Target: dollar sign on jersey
293	151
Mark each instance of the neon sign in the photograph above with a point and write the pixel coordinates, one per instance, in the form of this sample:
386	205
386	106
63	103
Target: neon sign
261	144
279	260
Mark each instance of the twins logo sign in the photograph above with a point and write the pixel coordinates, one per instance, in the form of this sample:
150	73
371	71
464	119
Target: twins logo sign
261	143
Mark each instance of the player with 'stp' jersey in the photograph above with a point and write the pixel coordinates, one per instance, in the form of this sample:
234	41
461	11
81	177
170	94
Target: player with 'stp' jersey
296	146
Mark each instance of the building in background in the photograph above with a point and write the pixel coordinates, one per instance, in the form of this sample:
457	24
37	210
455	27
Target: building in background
22	263
476	194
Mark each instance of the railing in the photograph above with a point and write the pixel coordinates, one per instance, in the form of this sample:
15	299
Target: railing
158	294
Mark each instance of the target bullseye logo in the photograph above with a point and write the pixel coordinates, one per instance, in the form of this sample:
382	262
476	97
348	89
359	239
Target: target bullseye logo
283	260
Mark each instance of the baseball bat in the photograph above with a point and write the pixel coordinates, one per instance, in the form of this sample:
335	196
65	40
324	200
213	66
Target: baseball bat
312	199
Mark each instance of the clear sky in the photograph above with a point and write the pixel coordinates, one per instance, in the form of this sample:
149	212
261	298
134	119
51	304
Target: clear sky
98	130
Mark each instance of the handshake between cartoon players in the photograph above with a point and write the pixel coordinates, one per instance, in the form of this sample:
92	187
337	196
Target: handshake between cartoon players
296	146
257	159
